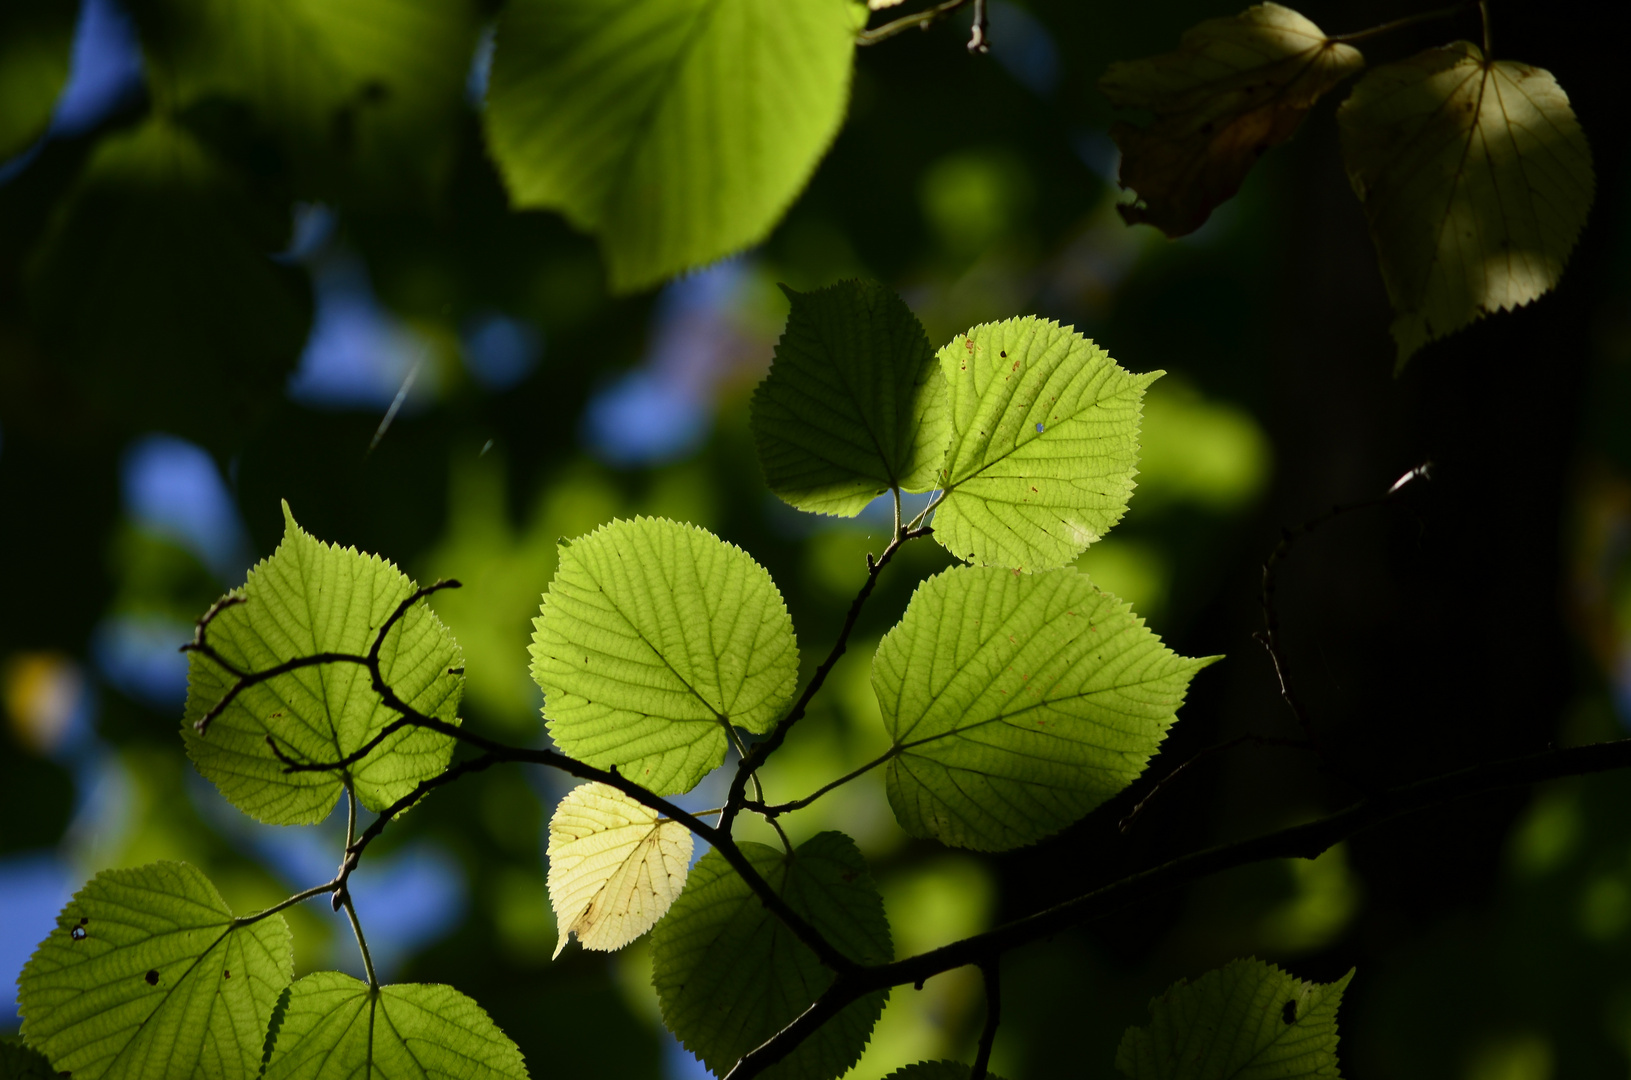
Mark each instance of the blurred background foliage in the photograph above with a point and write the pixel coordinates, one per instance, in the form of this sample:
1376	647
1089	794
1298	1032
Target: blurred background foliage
226	281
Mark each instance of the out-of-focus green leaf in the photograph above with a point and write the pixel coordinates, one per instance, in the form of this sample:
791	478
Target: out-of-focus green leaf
333	1026
1247	1019
154	291
677	131
148	977
854	404
1044	444
19	1062
35	39
1236	87
655	637
364	95
1476	180
729	975
614	868
1016	703
309	598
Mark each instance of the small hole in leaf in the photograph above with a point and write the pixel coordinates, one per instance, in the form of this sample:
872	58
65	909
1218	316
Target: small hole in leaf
78	933
1039	427
1289	1013
152	978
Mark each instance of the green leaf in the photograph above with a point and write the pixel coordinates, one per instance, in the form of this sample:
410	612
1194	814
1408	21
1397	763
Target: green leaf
1044	444
335	1026
308	598
1016	703
35	39
365	97
19	1062
936	1070
653	638
153	288
729	975
1247	1019
147	975
1476	181
614	868
854	404
1236	87
677	131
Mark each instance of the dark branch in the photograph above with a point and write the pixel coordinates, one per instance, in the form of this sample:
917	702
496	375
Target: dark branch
1257	740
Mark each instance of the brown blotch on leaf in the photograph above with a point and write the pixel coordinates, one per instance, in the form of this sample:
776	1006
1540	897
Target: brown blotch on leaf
152	978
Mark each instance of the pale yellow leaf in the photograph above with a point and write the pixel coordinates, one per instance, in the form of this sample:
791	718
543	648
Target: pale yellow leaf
614	868
1236	87
1476	180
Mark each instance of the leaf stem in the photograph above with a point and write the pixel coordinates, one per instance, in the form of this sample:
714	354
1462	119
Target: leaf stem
993	1017
921	20
1489	37
773	812
342	895
1399	24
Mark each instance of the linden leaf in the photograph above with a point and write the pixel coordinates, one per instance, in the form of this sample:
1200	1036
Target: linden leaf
148	976
1044	444
614	868
1236	87
653	639
310	598
1476	181
1016	703
19	1062
334	1026
1247	1019
854	404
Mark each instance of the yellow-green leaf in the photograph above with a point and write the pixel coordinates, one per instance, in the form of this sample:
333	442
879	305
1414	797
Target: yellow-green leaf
614	868
1236	87
1476	180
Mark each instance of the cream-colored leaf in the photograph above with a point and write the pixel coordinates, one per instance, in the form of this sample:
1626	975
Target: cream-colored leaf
1476	180
614	868
1235	87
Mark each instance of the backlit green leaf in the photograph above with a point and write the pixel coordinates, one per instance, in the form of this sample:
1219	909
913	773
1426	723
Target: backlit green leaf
729	975
1247	1019
336	1028
854	404
1044	444
614	869
364	96
653	637
678	131
34	43
1476	180
1016	703
311	597
147	977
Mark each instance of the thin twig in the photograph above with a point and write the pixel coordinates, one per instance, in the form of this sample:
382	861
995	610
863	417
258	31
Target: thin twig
921	20
993	1017
1259	740
1399	24
979	41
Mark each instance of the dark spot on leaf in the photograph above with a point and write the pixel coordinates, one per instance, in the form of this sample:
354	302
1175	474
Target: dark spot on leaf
226	974
152	977
1003	354
78	933
1289	1013
83	921
455	671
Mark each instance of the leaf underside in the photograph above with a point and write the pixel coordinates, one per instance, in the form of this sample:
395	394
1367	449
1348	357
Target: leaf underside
729	975
1236	87
854	404
334	1027
653	637
614	869
146	977
677	131
1044	444
1016	703
311	597
1476	180
1247	1019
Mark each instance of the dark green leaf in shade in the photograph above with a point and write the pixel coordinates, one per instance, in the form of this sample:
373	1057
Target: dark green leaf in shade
336	1028
1044	444
855	403
35	39
729	975
1247	1019
653	637
936	1070
153	288
677	131
1016	703
19	1062
364	97
311	597
147	976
